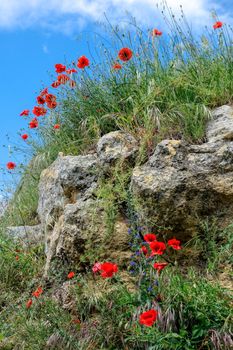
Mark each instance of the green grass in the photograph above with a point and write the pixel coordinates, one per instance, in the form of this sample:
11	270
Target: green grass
167	90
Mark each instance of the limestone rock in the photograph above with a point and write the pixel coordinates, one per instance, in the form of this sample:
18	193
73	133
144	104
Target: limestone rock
26	235
221	126
82	228
64	182
117	145
183	184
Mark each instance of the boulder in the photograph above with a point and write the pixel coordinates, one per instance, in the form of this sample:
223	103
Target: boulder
117	145
71	216
181	185
82	230
64	182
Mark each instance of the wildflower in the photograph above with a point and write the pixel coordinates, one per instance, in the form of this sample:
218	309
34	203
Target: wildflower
38	111
160	266
55	84
33	123
44	92
37	292
96	267
52	105
72	83
50	98
17	258
83	62
56	126
174	243
156	32
148	318
129	231
157	248
76	321
25	112
24	136
29	303
117	66
125	54
40	100
60	68
149	289
70	71
108	269
62	78
144	250
218	25
11	165
71	275
132	263
149	237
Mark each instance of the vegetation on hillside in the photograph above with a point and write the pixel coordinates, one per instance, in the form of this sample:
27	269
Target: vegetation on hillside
154	85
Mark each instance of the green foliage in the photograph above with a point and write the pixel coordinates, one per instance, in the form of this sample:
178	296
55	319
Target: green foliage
166	91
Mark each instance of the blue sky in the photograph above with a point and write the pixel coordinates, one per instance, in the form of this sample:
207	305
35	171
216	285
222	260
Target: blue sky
36	34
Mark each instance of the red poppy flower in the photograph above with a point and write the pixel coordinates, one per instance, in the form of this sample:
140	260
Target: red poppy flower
148	318
25	112
37	292
160	266
83	62
60	68
157	247
62	78
40	100
55	84
218	25
70	71
52	105
29	303
144	250
50	98
33	123
44	92
174	243
38	111
11	165
117	66
149	237
71	275
156	32
125	54
56	126
72	83
24	136
108	269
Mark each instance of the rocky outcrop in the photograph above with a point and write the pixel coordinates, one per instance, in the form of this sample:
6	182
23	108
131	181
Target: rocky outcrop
117	145
181	185
70	214
26	235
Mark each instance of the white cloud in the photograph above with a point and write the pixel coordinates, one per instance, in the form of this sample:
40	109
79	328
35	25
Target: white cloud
71	15
45	49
